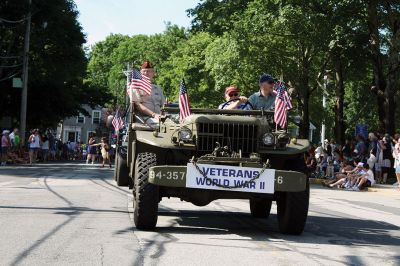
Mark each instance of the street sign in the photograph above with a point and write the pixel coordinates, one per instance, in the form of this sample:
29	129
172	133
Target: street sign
362	130
17	83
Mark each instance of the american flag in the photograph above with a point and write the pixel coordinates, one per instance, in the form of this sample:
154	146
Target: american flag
140	82
282	104
184	105
117	122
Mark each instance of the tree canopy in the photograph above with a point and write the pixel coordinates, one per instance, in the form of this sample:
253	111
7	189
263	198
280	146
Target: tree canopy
57	62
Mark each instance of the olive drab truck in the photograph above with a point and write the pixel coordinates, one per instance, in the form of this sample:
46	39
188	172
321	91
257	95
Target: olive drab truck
210	155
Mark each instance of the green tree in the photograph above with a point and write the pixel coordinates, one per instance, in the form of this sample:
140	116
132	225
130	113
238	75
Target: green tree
383	19
188	61
109	58
216	16
57	62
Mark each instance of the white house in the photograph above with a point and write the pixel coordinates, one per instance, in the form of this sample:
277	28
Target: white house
79	128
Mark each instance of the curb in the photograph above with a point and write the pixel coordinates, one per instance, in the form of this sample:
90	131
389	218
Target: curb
316	181
388	189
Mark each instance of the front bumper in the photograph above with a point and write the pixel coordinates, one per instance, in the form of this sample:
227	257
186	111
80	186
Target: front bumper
175	176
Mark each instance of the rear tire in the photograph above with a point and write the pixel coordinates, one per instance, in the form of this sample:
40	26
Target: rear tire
260	208
145	194
293	206
121	171
116	168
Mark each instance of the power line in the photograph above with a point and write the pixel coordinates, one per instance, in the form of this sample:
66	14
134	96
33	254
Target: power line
13	21
10	57
11	66
11	76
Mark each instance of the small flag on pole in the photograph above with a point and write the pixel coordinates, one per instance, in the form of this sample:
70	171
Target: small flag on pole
140	82
184	105
117	122
282	104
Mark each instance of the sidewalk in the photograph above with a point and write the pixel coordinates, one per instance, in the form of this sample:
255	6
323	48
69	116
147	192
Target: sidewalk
376	188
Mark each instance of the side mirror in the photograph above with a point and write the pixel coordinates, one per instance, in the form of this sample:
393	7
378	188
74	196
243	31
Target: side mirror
109	120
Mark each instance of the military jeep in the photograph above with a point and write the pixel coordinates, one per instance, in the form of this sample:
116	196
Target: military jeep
215	154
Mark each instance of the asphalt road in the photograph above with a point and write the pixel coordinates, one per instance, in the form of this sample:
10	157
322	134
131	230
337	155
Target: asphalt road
74	214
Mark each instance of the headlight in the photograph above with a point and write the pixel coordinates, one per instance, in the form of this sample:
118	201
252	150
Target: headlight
268	139
185	134
283	140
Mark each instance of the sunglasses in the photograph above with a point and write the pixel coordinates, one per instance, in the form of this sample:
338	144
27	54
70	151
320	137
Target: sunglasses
235	94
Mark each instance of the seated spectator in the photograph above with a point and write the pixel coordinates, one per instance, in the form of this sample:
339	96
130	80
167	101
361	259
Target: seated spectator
323	164
365	180
312	165
318	152
330	169
345	167
350	179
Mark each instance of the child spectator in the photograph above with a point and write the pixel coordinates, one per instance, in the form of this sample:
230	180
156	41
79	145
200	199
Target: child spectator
365	180
350	179
105	147
84	151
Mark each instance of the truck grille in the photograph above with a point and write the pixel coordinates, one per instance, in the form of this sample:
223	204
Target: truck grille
235	136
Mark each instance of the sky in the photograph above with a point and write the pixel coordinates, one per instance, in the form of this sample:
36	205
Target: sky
99	18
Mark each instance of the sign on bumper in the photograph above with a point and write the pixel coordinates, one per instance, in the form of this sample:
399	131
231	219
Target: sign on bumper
229	176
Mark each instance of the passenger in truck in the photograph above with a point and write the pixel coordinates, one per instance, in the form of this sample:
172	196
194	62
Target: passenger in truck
234	100
265	97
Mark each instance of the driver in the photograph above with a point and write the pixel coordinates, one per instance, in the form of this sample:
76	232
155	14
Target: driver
265	97
234	100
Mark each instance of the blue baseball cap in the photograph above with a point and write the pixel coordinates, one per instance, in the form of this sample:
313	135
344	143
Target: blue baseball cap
266	78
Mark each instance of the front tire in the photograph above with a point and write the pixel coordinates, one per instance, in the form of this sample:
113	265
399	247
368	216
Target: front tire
292	207
260	208
145	194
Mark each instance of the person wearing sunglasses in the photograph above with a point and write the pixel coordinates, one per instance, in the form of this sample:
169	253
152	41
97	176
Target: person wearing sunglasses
234	100
265	97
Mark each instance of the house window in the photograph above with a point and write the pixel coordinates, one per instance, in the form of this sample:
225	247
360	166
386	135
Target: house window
96	117
80	118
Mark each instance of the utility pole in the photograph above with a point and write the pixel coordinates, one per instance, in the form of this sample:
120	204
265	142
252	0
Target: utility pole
24	96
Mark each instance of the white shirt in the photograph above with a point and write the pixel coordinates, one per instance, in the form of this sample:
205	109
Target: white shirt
318	150
35	142
45	145
370	176
11	136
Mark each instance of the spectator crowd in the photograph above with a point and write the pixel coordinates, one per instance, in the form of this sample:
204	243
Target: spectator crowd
42	147
357	163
